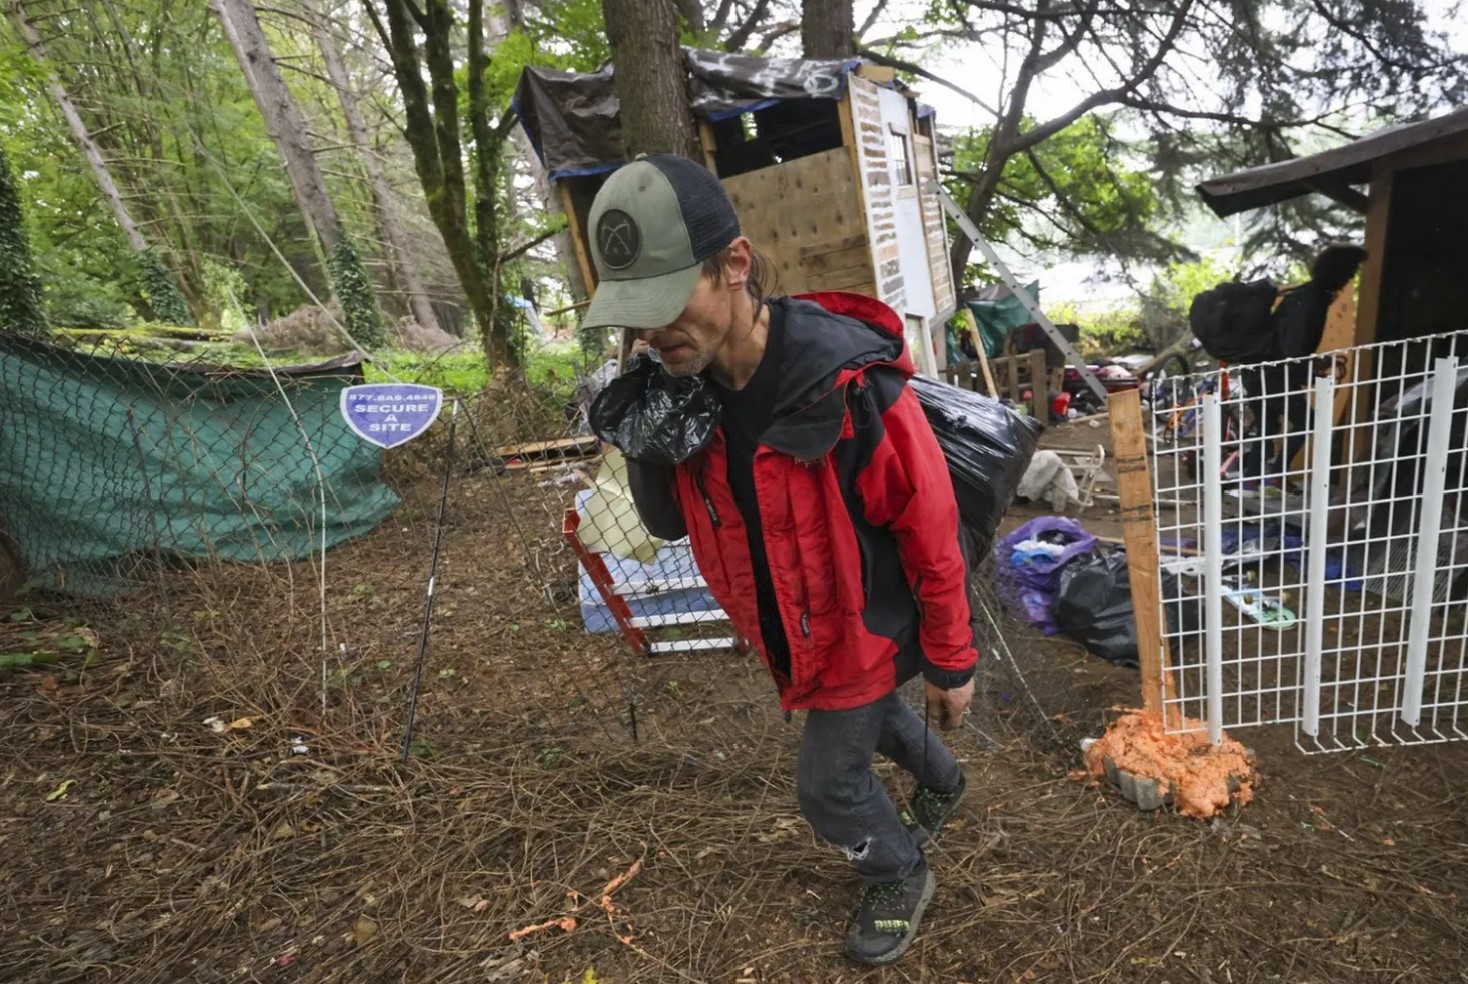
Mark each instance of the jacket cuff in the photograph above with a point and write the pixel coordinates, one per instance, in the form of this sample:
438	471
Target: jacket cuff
945	679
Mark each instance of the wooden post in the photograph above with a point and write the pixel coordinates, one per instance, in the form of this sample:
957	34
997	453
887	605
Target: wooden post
1040	407
1340	328
578	237
1369	306
973	327
1139	529
706	140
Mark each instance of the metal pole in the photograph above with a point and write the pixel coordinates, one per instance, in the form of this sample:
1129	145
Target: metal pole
1435	466
1213	562
443	498
1316	547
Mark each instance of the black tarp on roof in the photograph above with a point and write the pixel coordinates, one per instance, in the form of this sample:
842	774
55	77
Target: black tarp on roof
572	118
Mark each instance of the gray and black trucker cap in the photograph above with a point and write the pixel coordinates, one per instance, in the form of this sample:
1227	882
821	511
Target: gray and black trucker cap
651	226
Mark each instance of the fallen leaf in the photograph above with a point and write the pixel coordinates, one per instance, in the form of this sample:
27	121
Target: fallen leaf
285	960
48	681
284	832
363	930
469	901
60	791
163	798
239	723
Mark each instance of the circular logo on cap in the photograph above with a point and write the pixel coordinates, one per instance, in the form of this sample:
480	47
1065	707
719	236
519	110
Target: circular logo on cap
618	238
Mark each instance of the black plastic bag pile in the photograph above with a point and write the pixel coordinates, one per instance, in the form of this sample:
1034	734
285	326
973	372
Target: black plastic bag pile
987	446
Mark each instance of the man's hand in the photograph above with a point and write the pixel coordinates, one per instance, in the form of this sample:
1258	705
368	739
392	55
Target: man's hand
948	707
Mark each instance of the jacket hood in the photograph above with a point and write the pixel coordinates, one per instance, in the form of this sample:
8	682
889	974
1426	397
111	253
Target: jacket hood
830	339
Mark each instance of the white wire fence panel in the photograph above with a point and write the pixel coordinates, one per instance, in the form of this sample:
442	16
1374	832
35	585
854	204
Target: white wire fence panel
1313	539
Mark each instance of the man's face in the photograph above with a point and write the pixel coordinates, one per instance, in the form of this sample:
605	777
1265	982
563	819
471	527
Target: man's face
689	344
694	339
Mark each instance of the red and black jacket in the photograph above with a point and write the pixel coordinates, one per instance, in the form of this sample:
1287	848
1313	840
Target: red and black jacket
856	506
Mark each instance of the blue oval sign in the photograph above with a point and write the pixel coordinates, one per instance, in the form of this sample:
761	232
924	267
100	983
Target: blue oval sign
389	414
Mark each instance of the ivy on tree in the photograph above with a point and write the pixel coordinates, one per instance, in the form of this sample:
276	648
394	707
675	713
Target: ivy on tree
20	290
350	285
160	290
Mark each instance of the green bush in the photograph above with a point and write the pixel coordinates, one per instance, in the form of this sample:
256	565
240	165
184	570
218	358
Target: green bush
20	290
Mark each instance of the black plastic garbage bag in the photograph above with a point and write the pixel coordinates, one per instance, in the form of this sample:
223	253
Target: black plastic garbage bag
988	447
1094	607
655	418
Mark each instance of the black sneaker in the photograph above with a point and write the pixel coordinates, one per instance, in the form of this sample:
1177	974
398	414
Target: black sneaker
886	922
930	808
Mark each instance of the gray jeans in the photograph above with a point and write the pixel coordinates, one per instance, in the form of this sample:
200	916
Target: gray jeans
843	801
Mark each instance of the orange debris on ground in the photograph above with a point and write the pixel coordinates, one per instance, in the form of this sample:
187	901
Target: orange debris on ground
580	902
1196	772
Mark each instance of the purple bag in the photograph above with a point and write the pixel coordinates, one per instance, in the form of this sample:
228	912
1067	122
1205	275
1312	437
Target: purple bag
1030	581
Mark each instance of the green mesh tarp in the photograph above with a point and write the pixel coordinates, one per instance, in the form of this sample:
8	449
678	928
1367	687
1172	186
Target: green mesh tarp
111	465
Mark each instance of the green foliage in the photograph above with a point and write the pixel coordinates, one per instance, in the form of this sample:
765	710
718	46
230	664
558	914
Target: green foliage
1076	193
1164	311
1108	332
350	285
463	372
224	296
73	300
553	371
20	290
161	291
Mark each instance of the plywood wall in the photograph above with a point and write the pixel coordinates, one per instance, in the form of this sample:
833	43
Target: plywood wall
806	216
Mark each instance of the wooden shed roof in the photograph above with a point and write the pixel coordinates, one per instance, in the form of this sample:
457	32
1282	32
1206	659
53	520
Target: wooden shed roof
1331	172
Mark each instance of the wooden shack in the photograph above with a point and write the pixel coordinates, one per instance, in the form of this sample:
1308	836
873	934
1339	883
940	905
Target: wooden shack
832	167
1408	182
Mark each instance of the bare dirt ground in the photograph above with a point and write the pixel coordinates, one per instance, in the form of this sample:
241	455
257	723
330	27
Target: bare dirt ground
140	845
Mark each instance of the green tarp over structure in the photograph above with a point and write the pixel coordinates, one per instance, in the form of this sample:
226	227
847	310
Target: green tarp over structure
106	463
998	312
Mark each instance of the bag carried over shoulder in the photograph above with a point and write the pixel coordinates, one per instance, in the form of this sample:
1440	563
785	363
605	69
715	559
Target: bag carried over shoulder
1233	321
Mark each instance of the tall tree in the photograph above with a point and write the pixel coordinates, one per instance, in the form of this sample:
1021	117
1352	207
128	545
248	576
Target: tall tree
159	286
389	224
433	129
827	29
1211	82
287	125
20	291
649	77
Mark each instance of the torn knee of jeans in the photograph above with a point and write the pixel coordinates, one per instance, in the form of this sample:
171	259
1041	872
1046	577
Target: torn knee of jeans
859	852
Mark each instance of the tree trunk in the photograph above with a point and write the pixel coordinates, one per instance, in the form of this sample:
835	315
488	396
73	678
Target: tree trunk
282	117
649	78
827	29
431	127
394	237
83	138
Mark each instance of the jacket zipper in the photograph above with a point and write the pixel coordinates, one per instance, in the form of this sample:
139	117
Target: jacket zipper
708	503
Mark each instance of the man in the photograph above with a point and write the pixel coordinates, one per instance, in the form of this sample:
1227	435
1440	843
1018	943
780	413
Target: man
820	512
1281	405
